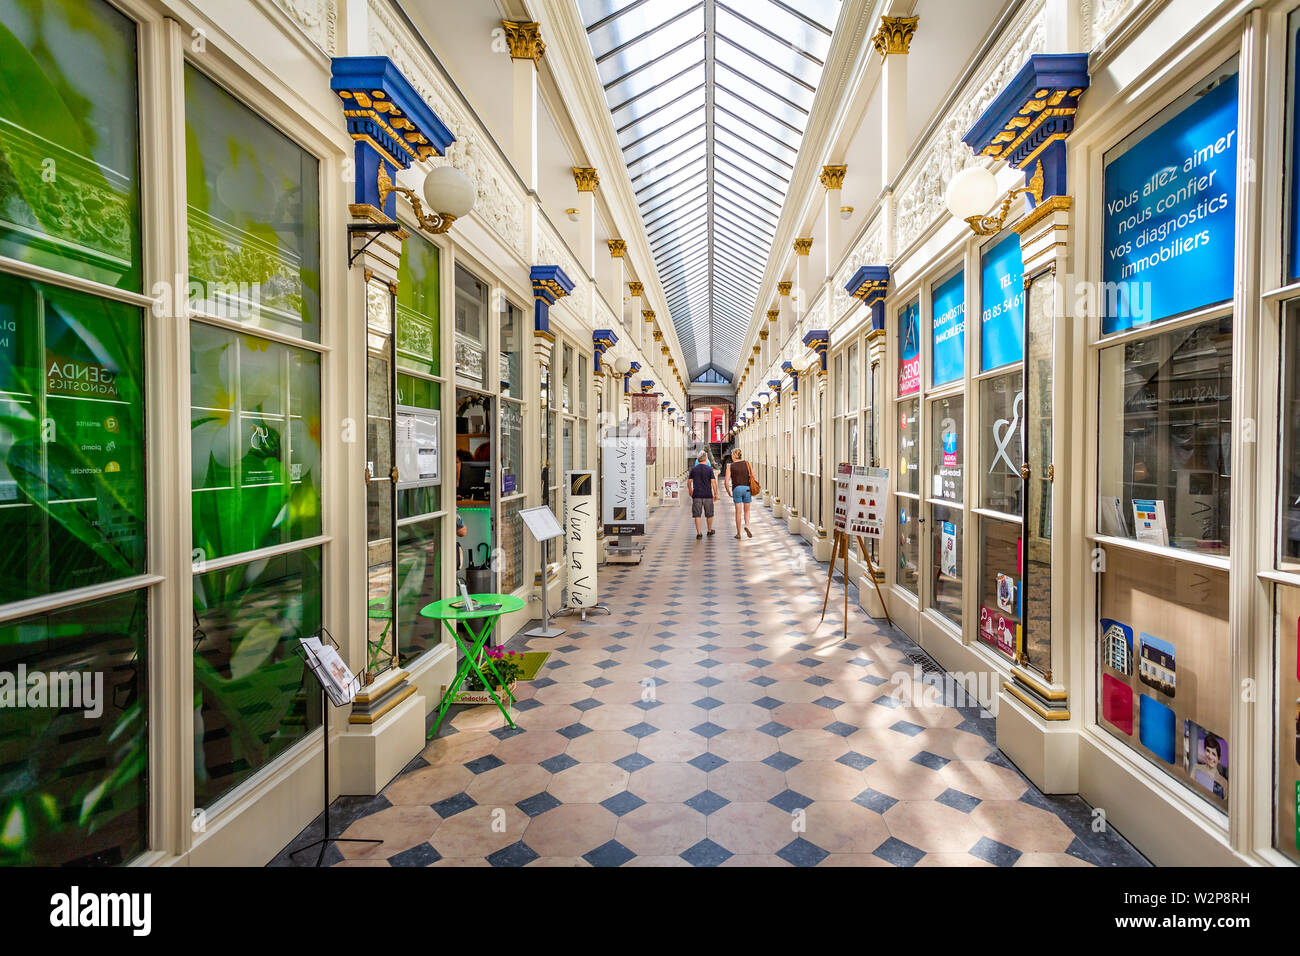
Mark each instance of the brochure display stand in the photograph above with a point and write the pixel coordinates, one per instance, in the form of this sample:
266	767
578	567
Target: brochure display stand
543	526
340	685
860	497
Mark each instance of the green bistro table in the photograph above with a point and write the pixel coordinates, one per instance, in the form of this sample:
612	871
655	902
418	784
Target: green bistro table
452	616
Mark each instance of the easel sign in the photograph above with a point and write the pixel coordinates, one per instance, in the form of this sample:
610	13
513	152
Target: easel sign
861	494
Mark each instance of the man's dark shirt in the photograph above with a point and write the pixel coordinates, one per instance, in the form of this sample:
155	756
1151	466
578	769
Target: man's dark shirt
702	481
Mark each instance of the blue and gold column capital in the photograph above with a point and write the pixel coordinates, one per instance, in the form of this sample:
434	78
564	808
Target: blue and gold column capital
870	284
648	387
1029	121
390	123
789	369
602	340
627	377
775	385
818	340
549	284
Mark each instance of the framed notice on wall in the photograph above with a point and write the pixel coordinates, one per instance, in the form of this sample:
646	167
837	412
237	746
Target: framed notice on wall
418	446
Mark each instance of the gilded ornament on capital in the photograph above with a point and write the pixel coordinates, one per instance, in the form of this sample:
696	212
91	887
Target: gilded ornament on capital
525	39
895	35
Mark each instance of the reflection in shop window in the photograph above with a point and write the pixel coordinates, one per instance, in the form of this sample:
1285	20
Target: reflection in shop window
418	344
946	561
72	462
1164	463
419	583
69	167
471	329
909	545
255	442
250	700
1287	814
1289	526
74	780
947	456
1002	408
253	215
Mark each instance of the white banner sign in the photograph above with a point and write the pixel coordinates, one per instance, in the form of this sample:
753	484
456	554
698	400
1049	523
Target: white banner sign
580	536
623	498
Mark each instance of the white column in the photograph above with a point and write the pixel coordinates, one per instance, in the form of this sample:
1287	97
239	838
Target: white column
585	178
526	48
637	291
802	285
832	178
617	249
892	41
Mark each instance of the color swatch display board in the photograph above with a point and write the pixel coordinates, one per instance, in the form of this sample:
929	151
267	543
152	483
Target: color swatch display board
1163	662
860	500
861	494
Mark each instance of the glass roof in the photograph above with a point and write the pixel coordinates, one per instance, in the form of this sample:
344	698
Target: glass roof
710	99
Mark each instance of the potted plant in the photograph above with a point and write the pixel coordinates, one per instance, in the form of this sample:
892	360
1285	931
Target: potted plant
496	661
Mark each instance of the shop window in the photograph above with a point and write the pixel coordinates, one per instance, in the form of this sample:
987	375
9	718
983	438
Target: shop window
512	546
1169	232
839	384
471	330
74	780
1287	822
419	334
946	561
1164	460
1164	667
947	454
255	442
512	448
1291	240
1002	408
251	700
72	483
948	330
909	462
1289	525
69	166
1001	590
909	545
1002	310
419	583
253	214
512	321
853	400
419	438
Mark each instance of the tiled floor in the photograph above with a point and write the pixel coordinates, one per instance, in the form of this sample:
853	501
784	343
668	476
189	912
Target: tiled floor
709	721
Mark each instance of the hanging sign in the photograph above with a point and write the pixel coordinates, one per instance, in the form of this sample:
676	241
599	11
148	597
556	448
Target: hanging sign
1002	308
645	414
1170	216
580	536
948	327
623	498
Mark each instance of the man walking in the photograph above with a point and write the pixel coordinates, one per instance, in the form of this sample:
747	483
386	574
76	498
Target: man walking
704	488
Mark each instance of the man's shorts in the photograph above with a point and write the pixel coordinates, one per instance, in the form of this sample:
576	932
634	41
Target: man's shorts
702	506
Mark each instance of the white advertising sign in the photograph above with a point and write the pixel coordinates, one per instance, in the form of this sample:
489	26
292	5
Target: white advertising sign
580	536
623	498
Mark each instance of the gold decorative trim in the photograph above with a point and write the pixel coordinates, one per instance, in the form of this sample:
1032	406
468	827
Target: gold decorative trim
586	179
636	289
895	35
773	314
545	334
617	248
525	39
784	287
832	177
648	314
373	716
1035	683
1044	209
803	246
1044	712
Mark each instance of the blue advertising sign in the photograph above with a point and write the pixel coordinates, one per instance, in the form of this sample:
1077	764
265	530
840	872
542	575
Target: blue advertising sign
1171	214
1002	306
948	321
909	349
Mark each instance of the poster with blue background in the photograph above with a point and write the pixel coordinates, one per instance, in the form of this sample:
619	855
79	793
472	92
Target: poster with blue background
909	349
1168	242
948	320
1002	304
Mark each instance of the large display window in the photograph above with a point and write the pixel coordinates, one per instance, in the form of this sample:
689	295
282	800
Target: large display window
69	165
1165	461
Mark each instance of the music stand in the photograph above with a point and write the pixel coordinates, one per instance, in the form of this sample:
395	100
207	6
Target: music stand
317	666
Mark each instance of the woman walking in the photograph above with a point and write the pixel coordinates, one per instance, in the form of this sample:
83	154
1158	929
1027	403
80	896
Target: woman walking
738	480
